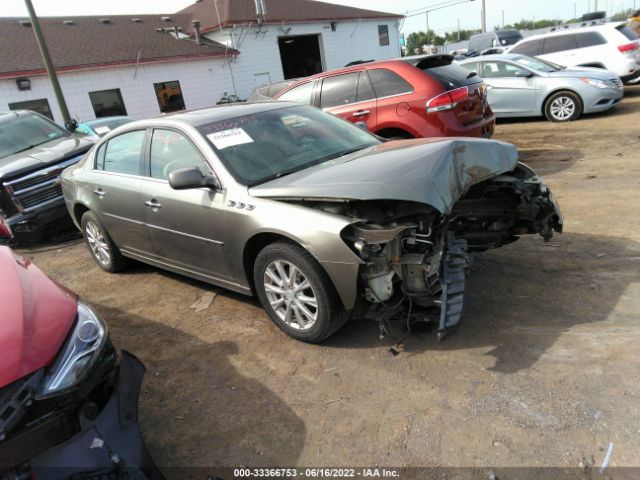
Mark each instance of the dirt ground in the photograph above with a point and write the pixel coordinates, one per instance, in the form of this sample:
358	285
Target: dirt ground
543	371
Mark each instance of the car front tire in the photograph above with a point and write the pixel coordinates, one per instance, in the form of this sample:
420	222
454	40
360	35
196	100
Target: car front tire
105	253
563	106
296	293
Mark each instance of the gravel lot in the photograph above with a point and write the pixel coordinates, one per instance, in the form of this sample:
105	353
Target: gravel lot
543	371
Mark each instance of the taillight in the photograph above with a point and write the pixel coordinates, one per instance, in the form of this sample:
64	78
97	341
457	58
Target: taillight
448	100
628	47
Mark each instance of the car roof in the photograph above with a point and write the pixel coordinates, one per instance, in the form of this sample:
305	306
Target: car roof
495	56
102	120
578	29
203	116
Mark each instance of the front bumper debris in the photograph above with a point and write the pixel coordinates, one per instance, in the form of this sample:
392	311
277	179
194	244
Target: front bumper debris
112	447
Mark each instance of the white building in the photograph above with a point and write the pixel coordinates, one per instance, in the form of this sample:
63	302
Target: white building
280	39
117	65
145	65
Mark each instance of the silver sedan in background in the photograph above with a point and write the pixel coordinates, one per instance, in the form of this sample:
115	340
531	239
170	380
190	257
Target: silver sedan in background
521	86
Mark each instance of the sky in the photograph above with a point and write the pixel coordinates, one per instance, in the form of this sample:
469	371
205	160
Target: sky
442	20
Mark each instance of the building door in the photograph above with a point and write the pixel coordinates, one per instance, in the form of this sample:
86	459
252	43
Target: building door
300	55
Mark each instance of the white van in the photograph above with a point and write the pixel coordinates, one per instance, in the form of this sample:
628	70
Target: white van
613	46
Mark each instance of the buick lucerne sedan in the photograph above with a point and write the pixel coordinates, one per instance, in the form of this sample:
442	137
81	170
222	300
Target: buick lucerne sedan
320	219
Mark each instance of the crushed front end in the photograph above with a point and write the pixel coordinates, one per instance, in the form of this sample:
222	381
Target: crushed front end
416	258
89	431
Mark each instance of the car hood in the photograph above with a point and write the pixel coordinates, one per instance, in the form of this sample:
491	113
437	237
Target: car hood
35	317
45	154
432	171
577	72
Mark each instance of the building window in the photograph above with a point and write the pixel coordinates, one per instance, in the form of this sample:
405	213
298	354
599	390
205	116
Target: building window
169	96
41	106
383	35
107	103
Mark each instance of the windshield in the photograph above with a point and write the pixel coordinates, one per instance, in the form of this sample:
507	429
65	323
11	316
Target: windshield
25	131
537	64
260	147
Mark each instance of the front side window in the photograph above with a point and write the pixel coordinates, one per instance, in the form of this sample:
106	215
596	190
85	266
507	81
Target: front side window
383	35
41	106
537	64
262	146
499	70
300	94
121	154
169	95
172	151
386	83
26	130
345	89
107	103
559	43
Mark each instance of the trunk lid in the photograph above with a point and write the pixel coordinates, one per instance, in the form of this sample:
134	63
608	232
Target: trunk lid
468	91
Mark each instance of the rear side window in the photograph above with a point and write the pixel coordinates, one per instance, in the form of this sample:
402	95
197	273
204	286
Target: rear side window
387	83
345	89
559	43
627	32
300	94
589	39
531	48
121	154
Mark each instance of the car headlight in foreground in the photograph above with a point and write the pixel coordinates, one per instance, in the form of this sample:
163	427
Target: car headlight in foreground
79	354
595	82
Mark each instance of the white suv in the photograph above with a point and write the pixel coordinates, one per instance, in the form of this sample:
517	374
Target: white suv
613	46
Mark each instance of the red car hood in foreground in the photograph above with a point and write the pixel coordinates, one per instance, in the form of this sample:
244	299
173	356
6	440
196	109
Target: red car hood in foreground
35	317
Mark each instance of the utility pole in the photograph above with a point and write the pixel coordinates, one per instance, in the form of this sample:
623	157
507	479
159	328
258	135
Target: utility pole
428	33
502	18
575	10
48	65
484	17
596	9
458	29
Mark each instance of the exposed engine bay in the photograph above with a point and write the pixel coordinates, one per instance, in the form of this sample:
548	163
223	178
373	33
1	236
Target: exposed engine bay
416	258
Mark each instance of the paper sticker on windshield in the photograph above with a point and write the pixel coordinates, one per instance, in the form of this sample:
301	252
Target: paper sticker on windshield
229	138
104	129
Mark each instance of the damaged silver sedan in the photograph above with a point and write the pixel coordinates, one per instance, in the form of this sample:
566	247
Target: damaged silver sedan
319	219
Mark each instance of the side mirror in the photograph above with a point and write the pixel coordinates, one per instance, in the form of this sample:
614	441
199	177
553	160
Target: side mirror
5	230
192	177
362	126
71	125
523	74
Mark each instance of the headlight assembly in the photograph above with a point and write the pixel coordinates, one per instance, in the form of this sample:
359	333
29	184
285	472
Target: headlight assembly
79	353
594	82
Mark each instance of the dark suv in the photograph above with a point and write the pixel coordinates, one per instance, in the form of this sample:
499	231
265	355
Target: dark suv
412	97
33	153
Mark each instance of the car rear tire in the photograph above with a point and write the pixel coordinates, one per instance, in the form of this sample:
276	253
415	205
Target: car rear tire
105	253
296	293
563	107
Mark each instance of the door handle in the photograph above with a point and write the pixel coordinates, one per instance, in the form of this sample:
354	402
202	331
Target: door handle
98	192
361	113
153	203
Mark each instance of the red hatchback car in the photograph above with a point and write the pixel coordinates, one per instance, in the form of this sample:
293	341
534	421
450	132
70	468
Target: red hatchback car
421	96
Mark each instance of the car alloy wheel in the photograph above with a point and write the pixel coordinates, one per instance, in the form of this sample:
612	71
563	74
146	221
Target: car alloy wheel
97	243
290	295
563	108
